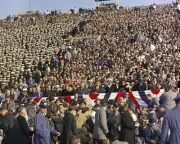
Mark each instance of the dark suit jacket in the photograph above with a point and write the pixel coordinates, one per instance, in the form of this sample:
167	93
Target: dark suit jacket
11	130
112	88
25	130
152	133
70	128
127	128
10	107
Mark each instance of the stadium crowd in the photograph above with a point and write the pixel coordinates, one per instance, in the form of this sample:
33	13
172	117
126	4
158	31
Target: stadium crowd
96	51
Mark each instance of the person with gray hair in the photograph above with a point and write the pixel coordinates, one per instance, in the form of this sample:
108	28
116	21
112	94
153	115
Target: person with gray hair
25	129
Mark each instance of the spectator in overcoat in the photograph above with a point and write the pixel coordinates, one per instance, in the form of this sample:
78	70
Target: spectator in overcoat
114	123
167	98
26	130
70	128
9	124
100	127
41	126
171	122
23	97
127	127
9	104
153	130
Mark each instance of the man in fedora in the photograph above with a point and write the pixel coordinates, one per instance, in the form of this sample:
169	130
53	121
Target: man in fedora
52	107
171	122
41	126
9	104
23	97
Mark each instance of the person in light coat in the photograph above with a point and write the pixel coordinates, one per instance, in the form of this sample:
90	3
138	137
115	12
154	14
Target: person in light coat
100	127
42	128
167	99
171	122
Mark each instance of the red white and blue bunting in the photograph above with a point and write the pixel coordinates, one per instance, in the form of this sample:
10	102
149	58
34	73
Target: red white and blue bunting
140	98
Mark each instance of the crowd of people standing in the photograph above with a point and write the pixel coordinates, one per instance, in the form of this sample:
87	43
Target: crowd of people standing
116	50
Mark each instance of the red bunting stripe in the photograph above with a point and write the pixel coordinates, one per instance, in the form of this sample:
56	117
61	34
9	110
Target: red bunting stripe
131	96
119	95
68	99
93	96
155	91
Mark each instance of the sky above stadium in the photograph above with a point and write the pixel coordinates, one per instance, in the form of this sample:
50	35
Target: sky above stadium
9	7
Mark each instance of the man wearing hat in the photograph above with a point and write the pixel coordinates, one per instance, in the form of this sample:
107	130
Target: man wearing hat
152	131
100	131
128	126
160	112
167	98
23	97
52	107
122	105
172	122
41	126
114	122
25	129
9	104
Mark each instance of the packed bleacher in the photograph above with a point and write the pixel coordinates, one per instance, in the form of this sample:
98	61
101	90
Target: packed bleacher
108	57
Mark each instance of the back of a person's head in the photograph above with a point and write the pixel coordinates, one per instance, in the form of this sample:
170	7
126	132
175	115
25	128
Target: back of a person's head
65	105
3	109
85	109
71	108
22	110
76	140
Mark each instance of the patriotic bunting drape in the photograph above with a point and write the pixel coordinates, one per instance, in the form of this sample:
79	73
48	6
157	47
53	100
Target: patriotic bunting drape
140	98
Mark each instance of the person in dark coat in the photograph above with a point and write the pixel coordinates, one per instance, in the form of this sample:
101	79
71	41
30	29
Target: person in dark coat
152	131
23	97
10	128
9	104
160	112
152	101
58	123
111	87
54	139
31	111
49	92
114	122
57	120
122	105
27	131
52	107
70	128
171	122
37	75
41	126
90	122
127	127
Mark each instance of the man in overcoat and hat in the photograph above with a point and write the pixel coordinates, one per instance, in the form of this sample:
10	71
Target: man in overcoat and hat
171	122
42	128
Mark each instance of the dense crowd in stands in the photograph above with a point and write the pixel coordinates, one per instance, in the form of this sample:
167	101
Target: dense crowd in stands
94	51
